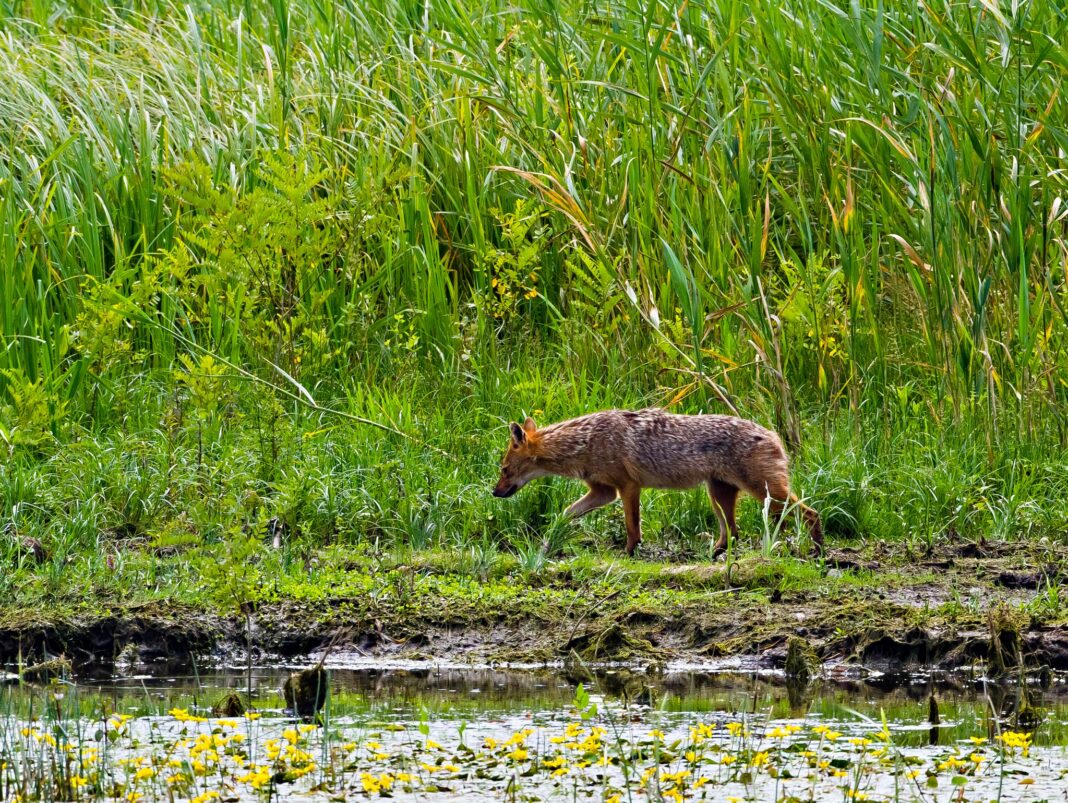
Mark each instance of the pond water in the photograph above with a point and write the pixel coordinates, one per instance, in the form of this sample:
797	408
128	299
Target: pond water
438	732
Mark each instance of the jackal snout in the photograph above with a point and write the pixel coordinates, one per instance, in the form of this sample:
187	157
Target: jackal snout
520	463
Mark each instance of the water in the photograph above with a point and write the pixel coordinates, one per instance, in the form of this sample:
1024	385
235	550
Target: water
438	732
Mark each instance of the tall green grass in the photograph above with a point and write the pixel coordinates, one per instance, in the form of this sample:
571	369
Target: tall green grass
845	219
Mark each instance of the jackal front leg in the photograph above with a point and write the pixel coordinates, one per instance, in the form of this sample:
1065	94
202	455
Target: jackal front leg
598	496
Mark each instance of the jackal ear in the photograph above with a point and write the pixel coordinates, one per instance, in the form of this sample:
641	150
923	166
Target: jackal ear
529	426
518	434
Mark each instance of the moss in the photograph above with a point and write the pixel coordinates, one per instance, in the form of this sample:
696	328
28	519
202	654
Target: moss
229	705
802	661
47	671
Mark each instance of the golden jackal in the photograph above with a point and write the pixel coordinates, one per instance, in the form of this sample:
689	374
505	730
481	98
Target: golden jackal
619	452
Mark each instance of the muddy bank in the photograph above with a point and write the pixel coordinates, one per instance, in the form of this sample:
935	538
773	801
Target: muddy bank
970	607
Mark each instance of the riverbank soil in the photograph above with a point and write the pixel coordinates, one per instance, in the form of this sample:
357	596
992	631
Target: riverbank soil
880	606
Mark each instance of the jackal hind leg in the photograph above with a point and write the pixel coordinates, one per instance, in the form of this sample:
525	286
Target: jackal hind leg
598	496
724	497
631	497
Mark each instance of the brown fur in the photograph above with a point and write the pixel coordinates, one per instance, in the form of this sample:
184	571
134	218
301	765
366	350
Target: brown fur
619	452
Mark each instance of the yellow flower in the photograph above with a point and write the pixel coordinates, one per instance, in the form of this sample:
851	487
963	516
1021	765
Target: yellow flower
370	783
205	797
77	781
144	773
519	754
978	740
183	715
490	743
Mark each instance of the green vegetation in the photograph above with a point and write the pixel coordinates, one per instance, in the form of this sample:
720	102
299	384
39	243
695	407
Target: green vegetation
287	268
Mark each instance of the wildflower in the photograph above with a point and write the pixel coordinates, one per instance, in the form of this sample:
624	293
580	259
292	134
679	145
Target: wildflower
978	740
519	754
257	779
490	743
370	783
205	797
760	759
657	734
252	716
77	781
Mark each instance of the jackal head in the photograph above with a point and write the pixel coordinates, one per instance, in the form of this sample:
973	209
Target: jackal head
520	463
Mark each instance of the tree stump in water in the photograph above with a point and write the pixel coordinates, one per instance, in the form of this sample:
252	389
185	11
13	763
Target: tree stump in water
305	691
